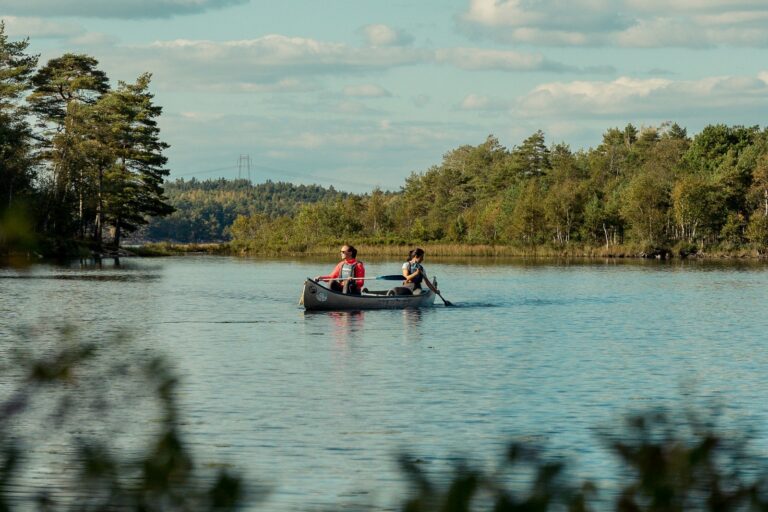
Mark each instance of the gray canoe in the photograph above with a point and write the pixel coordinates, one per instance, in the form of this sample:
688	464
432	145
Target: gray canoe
318	297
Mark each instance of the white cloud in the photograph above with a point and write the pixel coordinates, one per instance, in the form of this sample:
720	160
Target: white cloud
280	63
39	28
271	55
480	102
127	9
474	102
629	23
94	39
482	59
384	35
366	91
634	97
269	63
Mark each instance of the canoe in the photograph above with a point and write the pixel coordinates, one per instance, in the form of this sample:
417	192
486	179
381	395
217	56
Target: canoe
318	297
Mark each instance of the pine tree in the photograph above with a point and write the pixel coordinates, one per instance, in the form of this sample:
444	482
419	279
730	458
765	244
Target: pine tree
16	169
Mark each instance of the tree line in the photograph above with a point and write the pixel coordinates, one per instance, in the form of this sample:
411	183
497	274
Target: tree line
80	161
650	191
206	209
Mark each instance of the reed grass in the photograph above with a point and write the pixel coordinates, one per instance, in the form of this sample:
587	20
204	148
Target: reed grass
173	249
399	250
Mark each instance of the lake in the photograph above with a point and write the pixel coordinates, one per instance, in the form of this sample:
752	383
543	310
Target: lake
318	405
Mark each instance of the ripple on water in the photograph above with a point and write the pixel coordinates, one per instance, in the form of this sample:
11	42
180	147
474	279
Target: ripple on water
321	404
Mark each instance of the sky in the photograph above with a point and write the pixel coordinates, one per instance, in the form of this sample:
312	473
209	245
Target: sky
359	94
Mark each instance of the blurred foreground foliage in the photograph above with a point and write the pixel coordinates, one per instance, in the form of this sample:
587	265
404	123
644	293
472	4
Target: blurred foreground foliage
82	396
77	400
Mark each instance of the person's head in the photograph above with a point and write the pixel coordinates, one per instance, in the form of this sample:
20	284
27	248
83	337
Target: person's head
348	252
416	253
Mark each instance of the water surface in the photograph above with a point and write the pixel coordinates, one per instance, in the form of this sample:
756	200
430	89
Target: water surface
319	404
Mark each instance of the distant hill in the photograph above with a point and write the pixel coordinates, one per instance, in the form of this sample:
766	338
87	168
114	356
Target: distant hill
205	209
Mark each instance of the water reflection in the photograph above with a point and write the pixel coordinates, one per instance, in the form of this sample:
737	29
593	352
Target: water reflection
346	323
412	318
86	277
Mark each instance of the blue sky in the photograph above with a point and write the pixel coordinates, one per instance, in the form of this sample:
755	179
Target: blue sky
360	93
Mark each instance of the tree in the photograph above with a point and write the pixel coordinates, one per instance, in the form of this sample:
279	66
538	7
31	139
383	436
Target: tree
375	215
526	221
63	88
532	156
696	207
563	203
645	204
16	166
134	188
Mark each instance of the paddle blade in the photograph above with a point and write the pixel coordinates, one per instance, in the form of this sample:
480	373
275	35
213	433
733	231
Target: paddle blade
391	277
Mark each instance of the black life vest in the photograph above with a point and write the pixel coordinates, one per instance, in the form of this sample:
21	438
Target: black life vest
413	267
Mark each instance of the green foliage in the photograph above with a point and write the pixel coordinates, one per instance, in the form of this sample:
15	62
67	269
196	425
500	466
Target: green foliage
82	392
648	190
670	463
17	168
206	210
94	160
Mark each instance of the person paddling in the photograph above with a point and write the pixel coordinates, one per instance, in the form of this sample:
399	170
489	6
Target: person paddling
349	273
414	273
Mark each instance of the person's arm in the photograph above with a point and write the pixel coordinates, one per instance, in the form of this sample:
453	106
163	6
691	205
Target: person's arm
408	276
333	275
429	284
360	274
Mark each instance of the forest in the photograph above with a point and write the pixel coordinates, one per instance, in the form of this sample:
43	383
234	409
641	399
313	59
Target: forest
653	191
206	209
81	163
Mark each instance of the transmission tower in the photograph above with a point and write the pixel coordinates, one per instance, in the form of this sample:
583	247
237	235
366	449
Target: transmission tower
244	167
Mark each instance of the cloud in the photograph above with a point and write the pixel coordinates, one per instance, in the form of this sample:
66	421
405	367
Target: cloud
126	9
39	28
281	63
366	91
647	97
94	39
384	35
349	153
628	23
267	59
479	102
502	60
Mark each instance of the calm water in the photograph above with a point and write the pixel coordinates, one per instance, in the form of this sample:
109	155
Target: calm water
318	405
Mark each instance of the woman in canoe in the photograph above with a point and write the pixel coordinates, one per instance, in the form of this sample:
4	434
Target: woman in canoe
348	275
414	272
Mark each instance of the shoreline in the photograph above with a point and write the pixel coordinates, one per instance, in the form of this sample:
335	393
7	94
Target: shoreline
452	250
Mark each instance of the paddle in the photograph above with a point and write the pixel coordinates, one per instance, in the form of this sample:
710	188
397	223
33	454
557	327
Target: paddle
432	287
392	277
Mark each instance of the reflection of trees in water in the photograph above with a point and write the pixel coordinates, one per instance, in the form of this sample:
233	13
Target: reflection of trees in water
104	417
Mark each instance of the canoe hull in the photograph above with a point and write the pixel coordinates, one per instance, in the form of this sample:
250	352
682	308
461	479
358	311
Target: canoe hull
317	297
